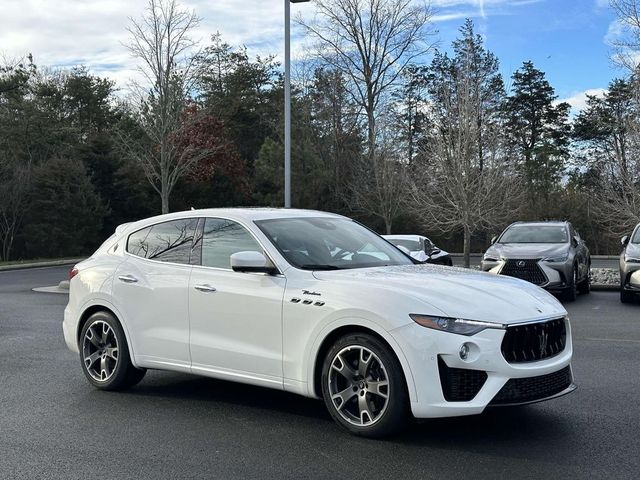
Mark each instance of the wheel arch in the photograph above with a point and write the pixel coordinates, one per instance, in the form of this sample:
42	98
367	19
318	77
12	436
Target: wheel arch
103	306
328	339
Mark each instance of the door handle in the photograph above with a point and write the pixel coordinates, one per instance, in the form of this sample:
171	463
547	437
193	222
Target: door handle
205	288
128	279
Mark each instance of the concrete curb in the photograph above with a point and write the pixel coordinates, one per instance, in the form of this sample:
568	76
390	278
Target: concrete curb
605	288
49	263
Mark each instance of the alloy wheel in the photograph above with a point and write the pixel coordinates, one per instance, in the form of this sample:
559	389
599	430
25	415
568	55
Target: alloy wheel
359	385
100	351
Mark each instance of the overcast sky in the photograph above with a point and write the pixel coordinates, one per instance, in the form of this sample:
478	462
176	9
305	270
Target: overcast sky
565	38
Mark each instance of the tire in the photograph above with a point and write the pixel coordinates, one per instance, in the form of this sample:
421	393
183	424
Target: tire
104	354
571	293
351	368
626	297
585	286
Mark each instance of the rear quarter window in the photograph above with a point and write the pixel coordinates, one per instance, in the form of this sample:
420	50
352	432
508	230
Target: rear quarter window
165	242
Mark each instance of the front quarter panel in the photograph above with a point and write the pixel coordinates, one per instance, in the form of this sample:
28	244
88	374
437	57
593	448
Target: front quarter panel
314	308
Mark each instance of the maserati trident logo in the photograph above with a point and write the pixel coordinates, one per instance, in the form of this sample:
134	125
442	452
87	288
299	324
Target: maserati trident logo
521	263
543	339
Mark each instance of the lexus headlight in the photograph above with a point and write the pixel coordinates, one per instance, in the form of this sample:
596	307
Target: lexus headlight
558	259
631	259
489	257
453	325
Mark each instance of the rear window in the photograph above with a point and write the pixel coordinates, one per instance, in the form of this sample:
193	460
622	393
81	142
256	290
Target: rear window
165	242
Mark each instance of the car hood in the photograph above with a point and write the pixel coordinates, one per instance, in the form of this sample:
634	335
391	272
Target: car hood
528	250
456	292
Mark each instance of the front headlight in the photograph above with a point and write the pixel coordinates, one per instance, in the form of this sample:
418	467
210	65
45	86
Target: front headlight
453	325
489	257
631	259
558	259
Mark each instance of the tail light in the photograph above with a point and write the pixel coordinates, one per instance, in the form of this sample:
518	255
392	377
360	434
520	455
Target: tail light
73	272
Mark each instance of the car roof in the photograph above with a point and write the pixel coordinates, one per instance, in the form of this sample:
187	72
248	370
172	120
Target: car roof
542	223
247	214
404	237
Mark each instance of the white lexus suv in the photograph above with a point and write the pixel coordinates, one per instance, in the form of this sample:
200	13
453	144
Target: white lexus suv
316	304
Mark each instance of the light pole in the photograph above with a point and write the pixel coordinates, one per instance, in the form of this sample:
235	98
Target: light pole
287	100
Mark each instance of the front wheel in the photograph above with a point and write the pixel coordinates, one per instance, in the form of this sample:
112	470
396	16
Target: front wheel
363	386
104	354
625	297
585	285
571	293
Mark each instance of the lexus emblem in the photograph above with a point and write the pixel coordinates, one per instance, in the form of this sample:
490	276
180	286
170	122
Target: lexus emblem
543	338
521	263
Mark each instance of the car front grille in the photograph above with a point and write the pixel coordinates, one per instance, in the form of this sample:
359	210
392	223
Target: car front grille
525	269
523	390
460	384
534	341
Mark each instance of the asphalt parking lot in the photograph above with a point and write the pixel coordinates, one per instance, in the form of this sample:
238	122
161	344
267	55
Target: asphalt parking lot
54	425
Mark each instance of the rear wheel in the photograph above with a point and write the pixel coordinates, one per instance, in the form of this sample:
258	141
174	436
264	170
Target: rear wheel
104	354
363	386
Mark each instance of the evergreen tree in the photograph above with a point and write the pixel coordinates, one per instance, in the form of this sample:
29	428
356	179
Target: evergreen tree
539	130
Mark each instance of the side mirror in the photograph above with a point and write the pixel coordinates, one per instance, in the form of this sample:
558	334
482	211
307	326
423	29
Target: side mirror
624	240
494	239
575	241
254	262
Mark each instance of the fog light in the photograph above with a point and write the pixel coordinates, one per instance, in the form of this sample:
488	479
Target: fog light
464	351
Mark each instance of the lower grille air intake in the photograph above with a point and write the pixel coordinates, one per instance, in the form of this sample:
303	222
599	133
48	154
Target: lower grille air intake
523	390
460	384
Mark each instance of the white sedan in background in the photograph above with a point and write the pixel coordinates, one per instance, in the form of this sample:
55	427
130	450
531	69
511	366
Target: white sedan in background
420	248
315	304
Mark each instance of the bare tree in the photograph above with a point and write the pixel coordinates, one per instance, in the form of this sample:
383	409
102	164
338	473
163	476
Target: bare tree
370	42
627	45
14	189
450	191
161	41
380	189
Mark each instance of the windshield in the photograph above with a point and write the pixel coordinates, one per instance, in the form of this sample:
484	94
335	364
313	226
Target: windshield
535	234
411	245
636	237
330	244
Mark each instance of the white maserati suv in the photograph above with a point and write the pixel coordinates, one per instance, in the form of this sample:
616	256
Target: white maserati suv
316	304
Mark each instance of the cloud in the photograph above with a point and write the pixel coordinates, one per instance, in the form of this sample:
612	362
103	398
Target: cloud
91	32
578	100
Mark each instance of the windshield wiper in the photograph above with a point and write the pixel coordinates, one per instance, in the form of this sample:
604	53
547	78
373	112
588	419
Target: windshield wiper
313	266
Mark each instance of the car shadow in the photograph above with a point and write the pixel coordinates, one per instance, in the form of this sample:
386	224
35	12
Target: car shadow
493	429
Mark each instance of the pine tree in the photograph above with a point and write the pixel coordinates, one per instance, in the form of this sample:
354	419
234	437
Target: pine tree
539	131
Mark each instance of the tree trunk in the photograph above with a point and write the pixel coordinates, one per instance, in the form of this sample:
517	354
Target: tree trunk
165	201
387	225
467	246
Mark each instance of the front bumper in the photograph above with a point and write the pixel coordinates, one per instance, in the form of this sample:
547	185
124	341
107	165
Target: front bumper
556	275
425	349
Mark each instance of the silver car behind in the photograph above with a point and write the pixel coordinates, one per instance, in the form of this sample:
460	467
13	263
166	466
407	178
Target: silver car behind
630	266
549	254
